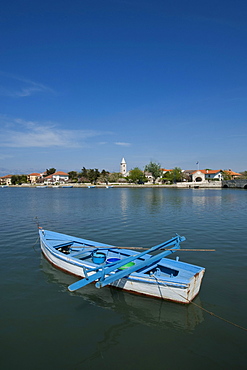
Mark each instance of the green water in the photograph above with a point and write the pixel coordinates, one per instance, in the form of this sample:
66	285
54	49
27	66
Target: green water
44	326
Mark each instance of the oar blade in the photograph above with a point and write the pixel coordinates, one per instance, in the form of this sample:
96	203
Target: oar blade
83	282
78	284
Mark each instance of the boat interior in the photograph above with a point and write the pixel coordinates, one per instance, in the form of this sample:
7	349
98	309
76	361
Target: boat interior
114	255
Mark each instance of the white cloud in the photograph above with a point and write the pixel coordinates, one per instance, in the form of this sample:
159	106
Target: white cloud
122	144
15	86
23	134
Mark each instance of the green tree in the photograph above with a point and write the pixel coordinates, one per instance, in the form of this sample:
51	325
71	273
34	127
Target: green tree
73	175
244	175
154	169
104	176
136	175
93	175
226	175
18	179
83	175
176	175
84	172
168	176
114	176
50	171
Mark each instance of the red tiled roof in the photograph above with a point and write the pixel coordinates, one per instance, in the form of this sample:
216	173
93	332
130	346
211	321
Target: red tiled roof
207	171
210	171
34	174
60	173
6	177
232	173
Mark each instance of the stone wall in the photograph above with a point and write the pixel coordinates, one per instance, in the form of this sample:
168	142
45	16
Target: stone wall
235	183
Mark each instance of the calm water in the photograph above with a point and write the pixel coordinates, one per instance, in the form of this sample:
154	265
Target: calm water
44	326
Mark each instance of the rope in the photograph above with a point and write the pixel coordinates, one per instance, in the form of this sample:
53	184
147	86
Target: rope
35	245
219	317
204	309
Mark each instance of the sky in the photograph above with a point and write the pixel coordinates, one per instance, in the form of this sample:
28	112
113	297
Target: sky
84	83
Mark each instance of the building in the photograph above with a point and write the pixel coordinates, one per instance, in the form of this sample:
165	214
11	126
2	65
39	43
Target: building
123	167
60	177
232	174
5	180
33	177
204	175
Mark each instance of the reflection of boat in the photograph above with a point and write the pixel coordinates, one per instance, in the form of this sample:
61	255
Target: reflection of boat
141	273
134	308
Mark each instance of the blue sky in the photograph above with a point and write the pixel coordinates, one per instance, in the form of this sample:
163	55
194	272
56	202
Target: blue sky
85	83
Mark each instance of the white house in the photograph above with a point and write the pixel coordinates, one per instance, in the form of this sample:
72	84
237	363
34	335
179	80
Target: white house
5	180
213	174
204	175
59	176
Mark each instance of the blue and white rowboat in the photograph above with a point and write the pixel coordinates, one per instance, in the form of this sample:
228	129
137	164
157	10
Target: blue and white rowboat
138	272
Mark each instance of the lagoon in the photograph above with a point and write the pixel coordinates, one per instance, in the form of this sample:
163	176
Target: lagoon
44	326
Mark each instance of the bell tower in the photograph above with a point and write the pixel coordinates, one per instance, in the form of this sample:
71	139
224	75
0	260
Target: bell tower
123	167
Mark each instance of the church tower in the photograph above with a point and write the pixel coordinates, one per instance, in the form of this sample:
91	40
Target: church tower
123	167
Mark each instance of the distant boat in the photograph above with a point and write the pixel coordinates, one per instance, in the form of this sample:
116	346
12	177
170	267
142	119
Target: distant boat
41	186
138	272
67	186
109	186
91	186
56	186
4	186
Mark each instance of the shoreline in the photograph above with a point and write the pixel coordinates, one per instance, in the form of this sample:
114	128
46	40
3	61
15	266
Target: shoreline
190	185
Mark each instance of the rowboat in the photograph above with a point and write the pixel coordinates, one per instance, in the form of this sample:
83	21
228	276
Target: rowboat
138	272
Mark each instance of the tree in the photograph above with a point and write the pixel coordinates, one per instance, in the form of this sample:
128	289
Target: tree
93	175
50	171
244	175
18	179
154	169
226	175
175	175
84	172
168	176
136	175
104	176
114	176
73	175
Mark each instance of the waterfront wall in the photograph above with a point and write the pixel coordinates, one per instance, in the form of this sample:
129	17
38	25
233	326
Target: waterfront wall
242	184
